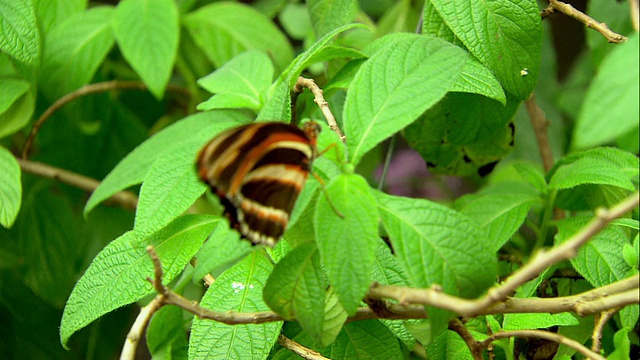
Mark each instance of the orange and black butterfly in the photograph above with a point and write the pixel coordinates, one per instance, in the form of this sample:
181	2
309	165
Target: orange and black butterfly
258	171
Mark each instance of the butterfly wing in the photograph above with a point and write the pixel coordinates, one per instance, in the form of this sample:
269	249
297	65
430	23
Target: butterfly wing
259	169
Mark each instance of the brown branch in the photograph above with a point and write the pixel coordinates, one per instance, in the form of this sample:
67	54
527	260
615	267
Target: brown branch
565	251
540	124
497	299
541	334
473	345
300	350
125	199
602	28
548	11
137	330
322	103
83	91
601	321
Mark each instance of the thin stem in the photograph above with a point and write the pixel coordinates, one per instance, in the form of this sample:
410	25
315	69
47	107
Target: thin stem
540	124
83	91
547	335
387	162
321	102
299	349
125	199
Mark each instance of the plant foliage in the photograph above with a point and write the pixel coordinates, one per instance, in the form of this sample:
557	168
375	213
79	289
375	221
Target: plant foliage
449	79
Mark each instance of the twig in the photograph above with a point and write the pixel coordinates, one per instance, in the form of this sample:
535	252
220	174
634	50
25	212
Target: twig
476	351
137	330
541	334
565	251
322	103
300	350
548	11
620	293
540	125
602	28
85	90
601	321
125	199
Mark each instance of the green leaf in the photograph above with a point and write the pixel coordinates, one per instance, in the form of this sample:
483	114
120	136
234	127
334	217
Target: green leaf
436	245
74	50
330	15
170	187
590	170
478	79
365	340
600	260
464	134
133	168
19	35
10	188
13	89
18	114
117	276
339	239
334	318
166	331
242	82
223	248
505	35
500	215
237	289
147	33
433	24
449	345
537	321
295	289
611	105
622	345
384	97
50	13
225	25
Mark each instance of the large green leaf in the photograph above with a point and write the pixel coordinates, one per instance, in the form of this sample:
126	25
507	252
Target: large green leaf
600	260
464	134
436	245
339	239
500	215
19	35
147	32
10	188
50	13
239	83
222	31
505	35
18	105
237	289
117	276
611	106
170	187
74	50
296	289
397	84
537	321
133	168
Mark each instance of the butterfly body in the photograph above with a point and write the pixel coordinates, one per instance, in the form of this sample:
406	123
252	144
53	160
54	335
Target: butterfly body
258	171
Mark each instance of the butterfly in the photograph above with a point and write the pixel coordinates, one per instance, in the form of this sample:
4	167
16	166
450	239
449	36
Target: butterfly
258	171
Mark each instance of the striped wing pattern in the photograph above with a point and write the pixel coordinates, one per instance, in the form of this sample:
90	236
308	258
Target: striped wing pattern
258	171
